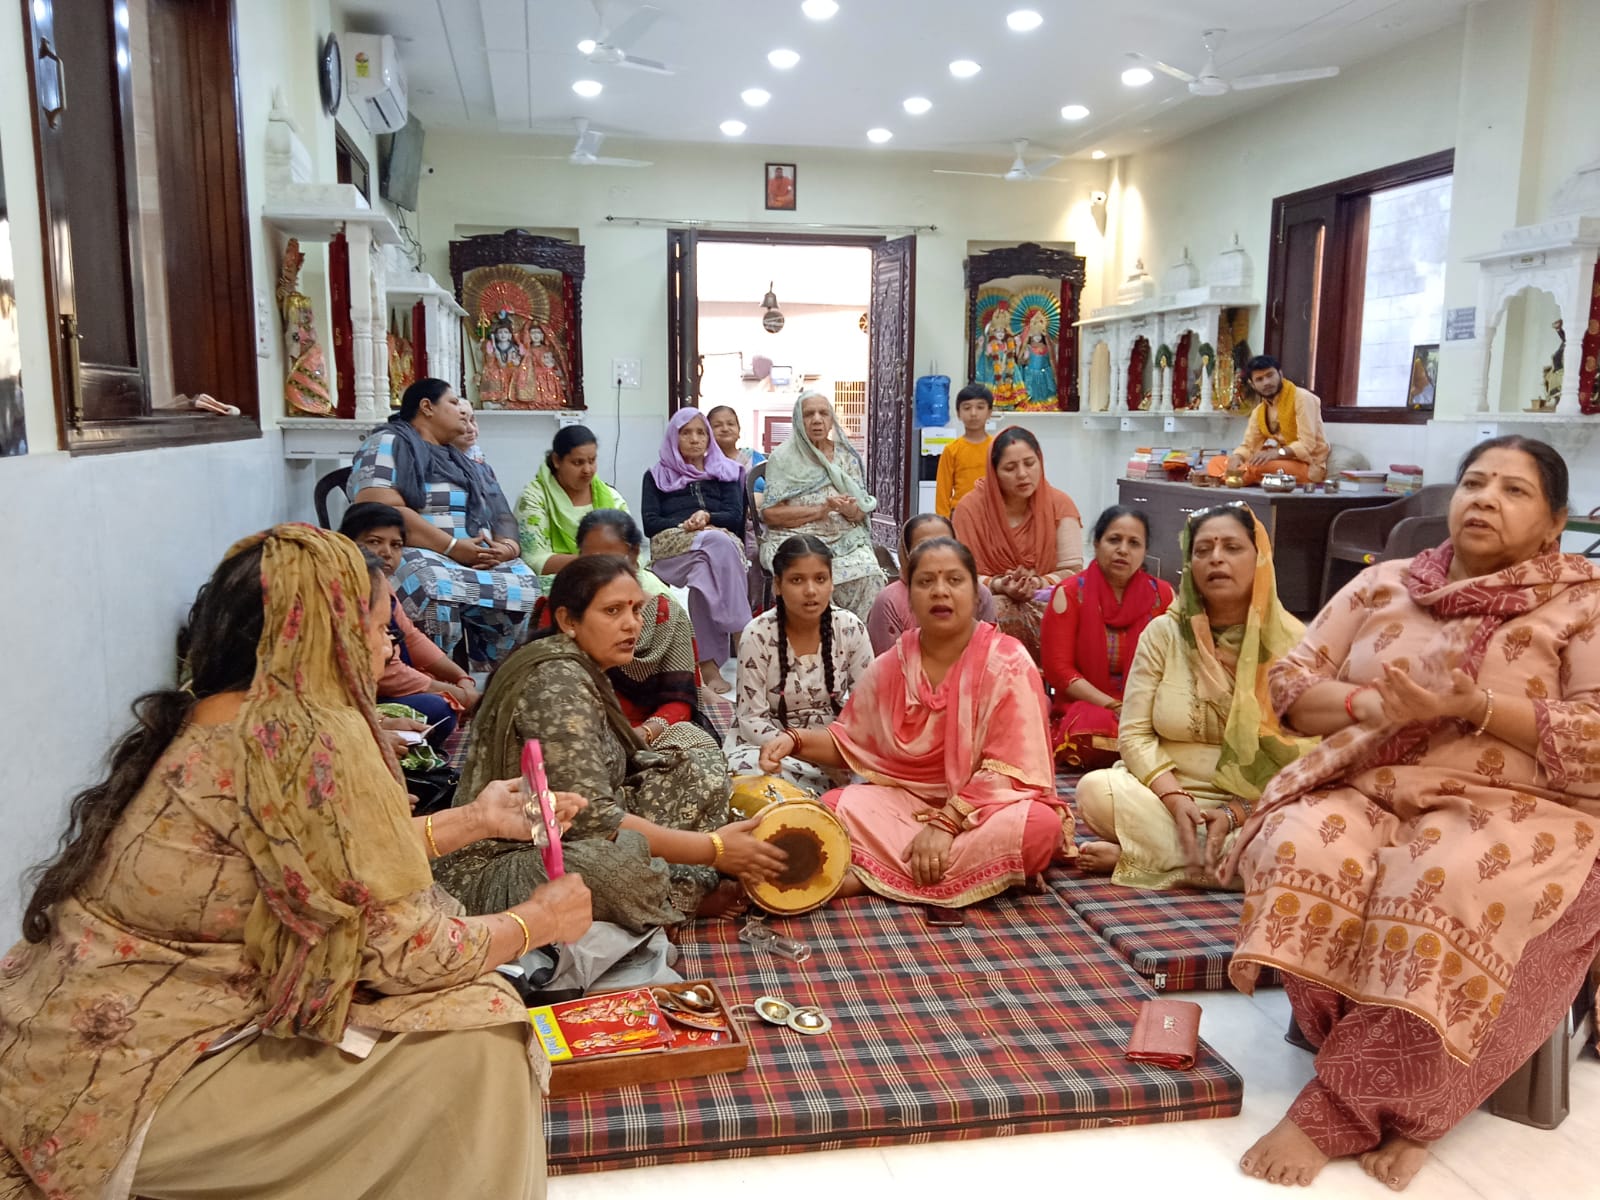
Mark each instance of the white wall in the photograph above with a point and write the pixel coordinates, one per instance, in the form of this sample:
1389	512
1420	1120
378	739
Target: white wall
104	553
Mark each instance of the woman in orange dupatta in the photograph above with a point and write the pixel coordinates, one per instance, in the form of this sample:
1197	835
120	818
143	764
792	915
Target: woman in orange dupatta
1025	535
1426	877
950	730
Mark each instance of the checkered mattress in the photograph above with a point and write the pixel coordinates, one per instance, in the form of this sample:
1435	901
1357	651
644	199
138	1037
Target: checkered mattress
1013	1023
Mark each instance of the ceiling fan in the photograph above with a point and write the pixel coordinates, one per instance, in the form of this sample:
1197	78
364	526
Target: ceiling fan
586	152
1019	171
609	46
1209	83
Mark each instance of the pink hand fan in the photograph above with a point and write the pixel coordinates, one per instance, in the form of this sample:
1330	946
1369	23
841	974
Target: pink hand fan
542	809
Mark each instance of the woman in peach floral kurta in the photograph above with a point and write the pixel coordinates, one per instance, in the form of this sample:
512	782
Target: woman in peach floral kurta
1426	877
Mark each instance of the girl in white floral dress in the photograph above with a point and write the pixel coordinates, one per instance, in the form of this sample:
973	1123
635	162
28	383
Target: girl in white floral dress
797	663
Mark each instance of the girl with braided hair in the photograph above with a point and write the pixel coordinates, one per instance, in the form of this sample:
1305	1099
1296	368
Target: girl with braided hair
798	662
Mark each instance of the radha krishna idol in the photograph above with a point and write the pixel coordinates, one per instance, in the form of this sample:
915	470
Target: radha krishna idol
305	388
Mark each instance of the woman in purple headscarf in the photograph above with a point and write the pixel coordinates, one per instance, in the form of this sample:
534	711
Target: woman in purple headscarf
693	513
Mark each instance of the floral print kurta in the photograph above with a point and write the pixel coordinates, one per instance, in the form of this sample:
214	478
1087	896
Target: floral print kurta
1412	872
147	969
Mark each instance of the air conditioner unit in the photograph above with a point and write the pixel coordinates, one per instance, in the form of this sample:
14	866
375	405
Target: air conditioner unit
376	81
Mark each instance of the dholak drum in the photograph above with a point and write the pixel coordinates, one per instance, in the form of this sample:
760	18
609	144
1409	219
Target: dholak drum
812	838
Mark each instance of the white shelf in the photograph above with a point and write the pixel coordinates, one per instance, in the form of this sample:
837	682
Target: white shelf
1169	422
323	439
320	223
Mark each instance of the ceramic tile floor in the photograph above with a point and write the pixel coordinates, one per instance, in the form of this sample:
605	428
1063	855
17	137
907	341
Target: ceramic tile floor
1195	1160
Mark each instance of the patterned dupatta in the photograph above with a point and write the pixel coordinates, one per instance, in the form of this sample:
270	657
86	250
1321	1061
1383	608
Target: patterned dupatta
1254	745
323	815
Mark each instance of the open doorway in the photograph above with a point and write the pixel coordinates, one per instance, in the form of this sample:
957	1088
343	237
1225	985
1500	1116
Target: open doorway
822	292
845	330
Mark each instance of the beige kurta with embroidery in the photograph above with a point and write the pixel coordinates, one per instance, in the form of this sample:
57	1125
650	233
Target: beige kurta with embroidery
147	969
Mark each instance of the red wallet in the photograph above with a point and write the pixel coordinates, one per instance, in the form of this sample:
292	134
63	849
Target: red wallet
1167	1034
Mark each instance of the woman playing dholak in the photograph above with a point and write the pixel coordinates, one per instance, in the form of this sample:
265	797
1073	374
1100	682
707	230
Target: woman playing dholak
1025	535
236	978
655	840
1198	738
692	509
1092	625
1426	878
816	485
949	729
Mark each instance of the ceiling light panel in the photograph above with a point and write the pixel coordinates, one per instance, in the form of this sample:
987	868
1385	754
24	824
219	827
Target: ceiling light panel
1097	155
1136	76
878	136
588	88
917	105
755	97
964	68
1024	20
732	128
1074	112
819	10
586	47
783	59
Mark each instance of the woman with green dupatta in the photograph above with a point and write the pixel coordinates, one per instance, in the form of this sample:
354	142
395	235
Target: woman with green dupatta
565	489
654	843
1199	739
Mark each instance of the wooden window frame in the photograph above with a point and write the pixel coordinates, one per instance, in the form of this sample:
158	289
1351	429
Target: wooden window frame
1335	335
210	290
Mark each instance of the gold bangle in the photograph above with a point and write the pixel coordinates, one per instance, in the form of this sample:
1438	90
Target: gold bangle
527	934
1488	713
427	831
716	848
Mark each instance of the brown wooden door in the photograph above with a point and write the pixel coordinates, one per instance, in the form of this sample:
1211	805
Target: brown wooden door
891	319
684	364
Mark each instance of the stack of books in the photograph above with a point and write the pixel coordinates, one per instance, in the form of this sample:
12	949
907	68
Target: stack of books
1362	483
1140	466
1404	479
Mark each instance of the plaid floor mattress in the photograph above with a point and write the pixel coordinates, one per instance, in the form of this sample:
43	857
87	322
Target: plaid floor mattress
1014	1023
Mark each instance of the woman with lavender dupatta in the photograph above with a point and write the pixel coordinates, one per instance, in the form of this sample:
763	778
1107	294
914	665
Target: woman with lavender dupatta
693	513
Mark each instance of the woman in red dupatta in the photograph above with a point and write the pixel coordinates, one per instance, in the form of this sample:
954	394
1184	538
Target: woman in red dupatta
1425	878
949	728
1091	628
1025	535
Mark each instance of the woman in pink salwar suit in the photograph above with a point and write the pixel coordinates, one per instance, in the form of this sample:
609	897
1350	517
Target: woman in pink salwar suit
950	730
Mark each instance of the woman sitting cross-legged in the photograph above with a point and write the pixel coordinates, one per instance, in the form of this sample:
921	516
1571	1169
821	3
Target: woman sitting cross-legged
798	662
816	485
951	729
566	487
1025	535
655	835
460	574
693	513
236	976
891	611
418	673
1426	879
1198	739
1091	628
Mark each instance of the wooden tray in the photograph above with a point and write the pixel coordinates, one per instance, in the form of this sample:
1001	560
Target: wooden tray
597	1074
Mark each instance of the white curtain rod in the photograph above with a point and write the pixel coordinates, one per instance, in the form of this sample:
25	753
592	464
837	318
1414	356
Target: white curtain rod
766	226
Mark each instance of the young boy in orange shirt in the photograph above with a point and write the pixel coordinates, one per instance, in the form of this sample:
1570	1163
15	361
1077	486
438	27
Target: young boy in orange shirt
965	460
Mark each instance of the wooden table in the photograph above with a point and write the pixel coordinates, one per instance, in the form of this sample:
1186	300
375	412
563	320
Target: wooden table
1297	523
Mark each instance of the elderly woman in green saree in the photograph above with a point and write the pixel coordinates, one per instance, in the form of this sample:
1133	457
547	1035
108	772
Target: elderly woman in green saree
567	487
654	842
816	485
1198	737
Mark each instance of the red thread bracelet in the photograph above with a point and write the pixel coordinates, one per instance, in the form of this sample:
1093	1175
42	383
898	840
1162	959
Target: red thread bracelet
1350	703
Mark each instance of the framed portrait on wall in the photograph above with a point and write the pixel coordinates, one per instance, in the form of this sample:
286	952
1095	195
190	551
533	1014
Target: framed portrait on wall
1424	374
781	184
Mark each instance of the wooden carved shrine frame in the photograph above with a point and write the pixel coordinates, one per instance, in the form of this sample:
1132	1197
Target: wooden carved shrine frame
1022	308
524	300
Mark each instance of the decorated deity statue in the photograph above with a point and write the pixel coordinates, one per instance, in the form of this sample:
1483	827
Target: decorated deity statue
402	366
305	387
1038	361
505	381
997	356
549	390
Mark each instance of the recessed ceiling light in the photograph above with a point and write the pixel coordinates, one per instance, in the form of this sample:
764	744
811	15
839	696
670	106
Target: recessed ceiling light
1136	77
1024	20
1097	155
586	47
732	128
783	59
964	68
1074	112
880	136
755	97
819	10
917	105
588	88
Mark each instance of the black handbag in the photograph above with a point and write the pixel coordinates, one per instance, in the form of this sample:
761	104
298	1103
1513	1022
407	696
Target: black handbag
434	788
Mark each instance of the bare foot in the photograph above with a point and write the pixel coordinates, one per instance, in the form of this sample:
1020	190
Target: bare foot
852	886
1098	858
1286	1156
1395	1163
727	899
